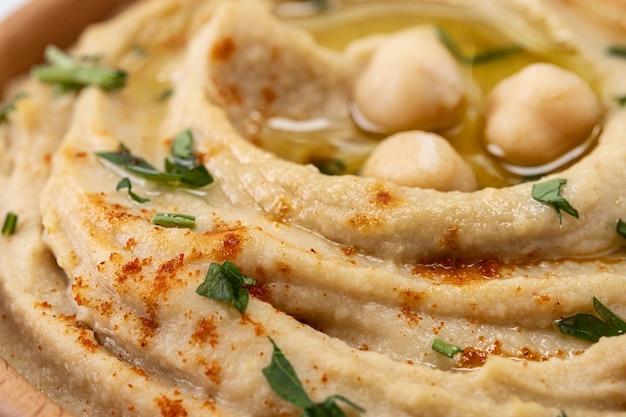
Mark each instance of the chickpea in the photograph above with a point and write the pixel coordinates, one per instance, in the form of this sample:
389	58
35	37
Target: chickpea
420	159
539	114
411	82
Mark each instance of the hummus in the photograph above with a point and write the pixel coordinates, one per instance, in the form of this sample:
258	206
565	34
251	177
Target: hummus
355	277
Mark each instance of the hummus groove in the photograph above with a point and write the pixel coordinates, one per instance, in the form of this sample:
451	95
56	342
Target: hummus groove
339	260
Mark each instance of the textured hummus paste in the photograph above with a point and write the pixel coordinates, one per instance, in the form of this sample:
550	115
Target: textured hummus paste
355	277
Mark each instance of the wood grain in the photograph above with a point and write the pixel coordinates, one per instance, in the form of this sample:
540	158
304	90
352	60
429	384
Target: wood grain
18	398
25	34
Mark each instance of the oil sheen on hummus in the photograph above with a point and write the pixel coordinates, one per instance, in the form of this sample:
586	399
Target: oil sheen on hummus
355	276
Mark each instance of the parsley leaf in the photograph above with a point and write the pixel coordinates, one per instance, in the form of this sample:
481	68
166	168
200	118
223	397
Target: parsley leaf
226	283
621	100
549	192
480	58
69	73
10	223
621	228
125	183
174	220
592	328
9	107
617	51
165	94
329	166
179	172
445	348
285	383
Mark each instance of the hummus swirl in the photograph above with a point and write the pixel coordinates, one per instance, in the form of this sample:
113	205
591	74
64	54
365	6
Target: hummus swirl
355	277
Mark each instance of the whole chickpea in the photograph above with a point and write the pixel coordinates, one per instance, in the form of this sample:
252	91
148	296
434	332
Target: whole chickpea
538	114
420	159
411	82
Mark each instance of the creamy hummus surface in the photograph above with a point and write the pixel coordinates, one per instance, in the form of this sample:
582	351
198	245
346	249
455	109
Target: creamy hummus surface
387	297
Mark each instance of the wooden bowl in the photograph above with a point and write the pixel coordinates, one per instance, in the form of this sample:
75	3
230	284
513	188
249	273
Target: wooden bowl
23	38
25	34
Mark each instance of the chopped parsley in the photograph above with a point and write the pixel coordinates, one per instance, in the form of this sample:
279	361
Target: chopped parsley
445	348
283	380
621	228
329	166
10	106
165	94
125	183
184	171
592	328
10	223
226	283
481	58
174	220
68	73
621	100
549	192
618	51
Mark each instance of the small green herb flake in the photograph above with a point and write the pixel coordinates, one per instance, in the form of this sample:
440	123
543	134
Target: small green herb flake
68	73
125	183
445	348
329	166
549	192
621	228
165	94
226	283
621	100
174	220
480	58
592	328
618	51
182	147
10	223
320	5
9	107
285	383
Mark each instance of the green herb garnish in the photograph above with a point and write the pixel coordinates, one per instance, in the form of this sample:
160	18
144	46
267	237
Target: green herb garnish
140	50
165	94
69	74
549	192
621	228
329	166
588	327
445	348
283	380
617	51
10	223
10	106
174	220
177	173
125	183
621	100
226	283
481	58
